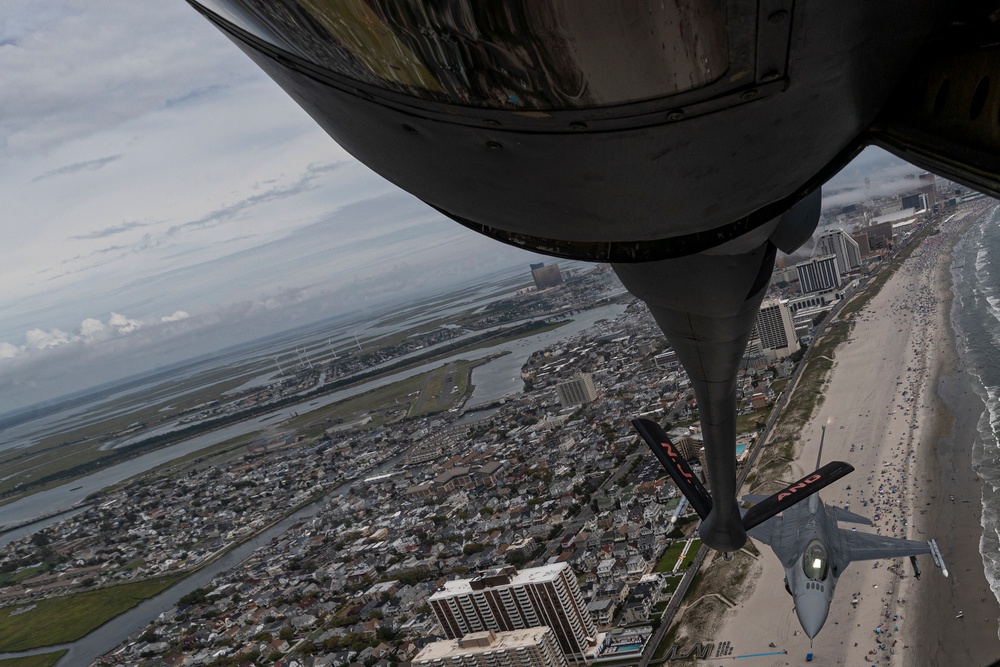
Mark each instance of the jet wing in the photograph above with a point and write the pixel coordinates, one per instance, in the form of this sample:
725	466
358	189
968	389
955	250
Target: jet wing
841	514
772	532
767	532
867	546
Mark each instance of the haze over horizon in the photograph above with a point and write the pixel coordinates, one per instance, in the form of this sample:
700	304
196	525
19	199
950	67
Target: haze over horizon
165	199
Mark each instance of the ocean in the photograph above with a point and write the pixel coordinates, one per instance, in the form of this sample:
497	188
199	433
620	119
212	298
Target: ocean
976	318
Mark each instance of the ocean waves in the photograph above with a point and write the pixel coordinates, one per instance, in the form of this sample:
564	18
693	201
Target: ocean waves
976	320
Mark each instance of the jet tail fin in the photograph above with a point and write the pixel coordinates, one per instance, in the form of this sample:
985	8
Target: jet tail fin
795	492
676	466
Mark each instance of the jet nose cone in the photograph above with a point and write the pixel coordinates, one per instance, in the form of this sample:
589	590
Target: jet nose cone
811	608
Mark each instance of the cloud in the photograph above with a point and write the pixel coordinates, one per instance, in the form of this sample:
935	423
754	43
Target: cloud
229	212
38	339
91	330
110	65
172	201
91	327
110	231
194	95
123	324
875	173
88	165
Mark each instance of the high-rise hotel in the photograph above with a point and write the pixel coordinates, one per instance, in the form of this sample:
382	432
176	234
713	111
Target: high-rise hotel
839	244
776	329
504	599
819	274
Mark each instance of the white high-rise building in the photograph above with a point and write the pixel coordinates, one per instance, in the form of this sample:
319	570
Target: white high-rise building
776	329
532	647
577	391
838	243
819	274
504	599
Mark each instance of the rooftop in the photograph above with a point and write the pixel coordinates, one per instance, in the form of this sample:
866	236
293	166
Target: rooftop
534	575
483	642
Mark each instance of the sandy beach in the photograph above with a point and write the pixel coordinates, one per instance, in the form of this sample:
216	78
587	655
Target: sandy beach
902	412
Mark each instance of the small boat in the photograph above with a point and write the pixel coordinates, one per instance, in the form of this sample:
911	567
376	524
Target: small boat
959	615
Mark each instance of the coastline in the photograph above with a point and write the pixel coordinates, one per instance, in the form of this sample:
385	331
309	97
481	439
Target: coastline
956	409
899	407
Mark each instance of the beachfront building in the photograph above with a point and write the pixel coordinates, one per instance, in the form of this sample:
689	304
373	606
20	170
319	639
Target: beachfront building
879	234
546	276
775	329
864	247
818	274
688	444
531	647
929	187
917	201
503	599
838	243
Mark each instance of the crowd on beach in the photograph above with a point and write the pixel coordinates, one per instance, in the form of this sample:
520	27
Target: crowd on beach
885	491
890	490
883	414
899	337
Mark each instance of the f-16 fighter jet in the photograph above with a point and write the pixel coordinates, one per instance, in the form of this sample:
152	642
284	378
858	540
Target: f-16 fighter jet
806	537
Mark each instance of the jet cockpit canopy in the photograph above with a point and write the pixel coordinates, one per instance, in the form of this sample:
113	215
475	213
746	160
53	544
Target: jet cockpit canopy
815	562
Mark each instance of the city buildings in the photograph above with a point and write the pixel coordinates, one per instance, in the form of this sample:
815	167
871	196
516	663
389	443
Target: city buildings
776	330
531	647
519	486
577	391
818	274
505	599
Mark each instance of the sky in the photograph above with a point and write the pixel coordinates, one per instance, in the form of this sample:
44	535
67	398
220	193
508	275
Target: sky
156	185
155	182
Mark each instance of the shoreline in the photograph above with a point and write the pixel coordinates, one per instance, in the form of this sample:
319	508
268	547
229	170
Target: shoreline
893	403
957	526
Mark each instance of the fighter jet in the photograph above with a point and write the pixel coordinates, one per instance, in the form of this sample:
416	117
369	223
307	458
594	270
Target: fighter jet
683	142
815	551
812	548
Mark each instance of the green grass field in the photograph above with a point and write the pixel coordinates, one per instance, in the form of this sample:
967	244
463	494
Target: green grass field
673	552
748	422
67	618
41	660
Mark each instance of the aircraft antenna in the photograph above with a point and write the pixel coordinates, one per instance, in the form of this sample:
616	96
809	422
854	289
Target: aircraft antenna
819	455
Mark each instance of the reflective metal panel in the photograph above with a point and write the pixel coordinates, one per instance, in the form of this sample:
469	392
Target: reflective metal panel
520	54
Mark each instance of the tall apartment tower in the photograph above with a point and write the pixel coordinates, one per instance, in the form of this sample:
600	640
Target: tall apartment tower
819	274
577	391
546	276
776	329
917	201
838	243
929	186
504	599
533	647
